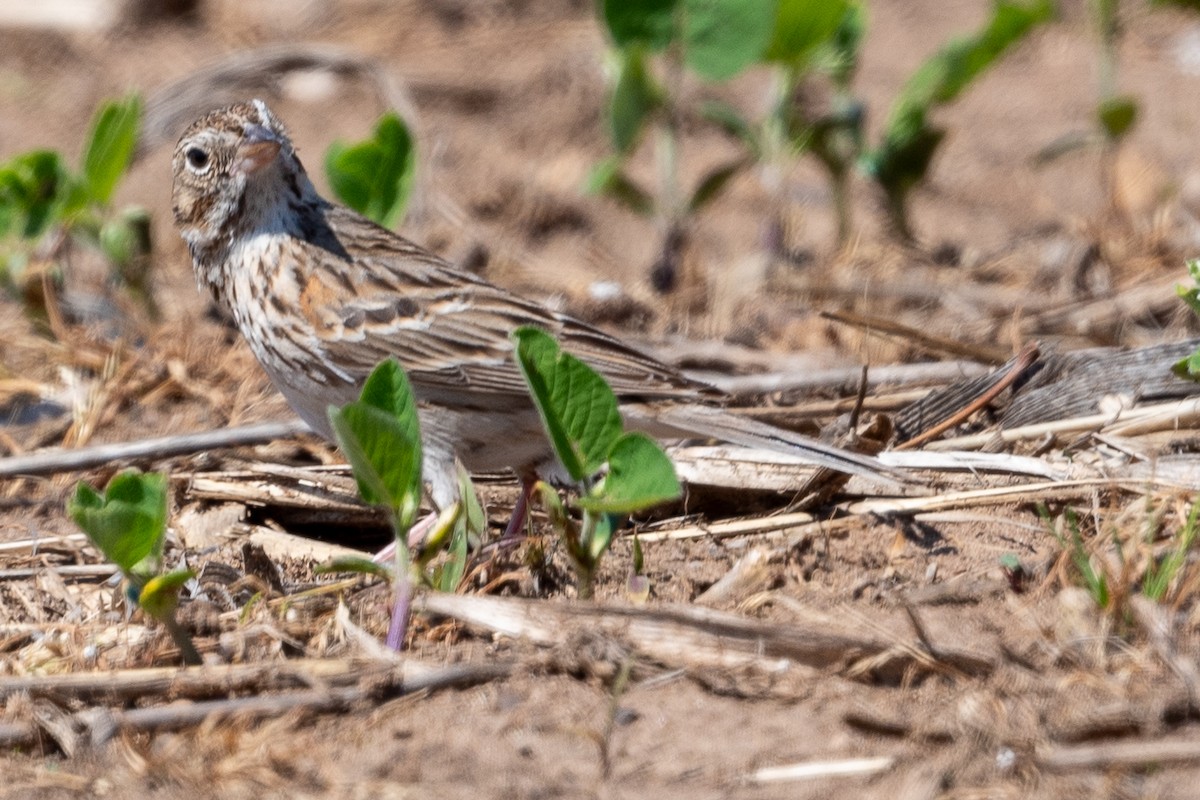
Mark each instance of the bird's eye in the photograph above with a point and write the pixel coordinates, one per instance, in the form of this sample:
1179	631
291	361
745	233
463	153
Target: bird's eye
197	159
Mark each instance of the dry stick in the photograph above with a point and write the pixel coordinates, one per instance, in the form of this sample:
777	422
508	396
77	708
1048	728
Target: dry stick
690	636
847	378
188	682
923	339
82	571
1022	362
809	770
46	462
1118	754
373	681
825	408
1159	416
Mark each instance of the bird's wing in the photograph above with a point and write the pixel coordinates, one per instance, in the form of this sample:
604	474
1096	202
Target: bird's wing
449	328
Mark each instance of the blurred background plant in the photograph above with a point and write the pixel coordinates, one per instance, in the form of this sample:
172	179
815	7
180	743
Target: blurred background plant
46	209
813	47
376	176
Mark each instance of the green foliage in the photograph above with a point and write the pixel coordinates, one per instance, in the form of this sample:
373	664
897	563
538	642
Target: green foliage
641	23
376	176
1190	367
110	146
635	97
577	407
714	39
910	140
1161	574
380	435
1121	560
128	524
40	196
581	418
639	476
1117	115
720	38
608	178
1093	580
32	186
801	28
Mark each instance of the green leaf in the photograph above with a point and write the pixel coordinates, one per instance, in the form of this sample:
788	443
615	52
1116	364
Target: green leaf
597	542
578	409
1117	115
375	177
470	523
387	389
1189	368
160	595
909	141
128	522
474	518
1191	294
640	476
723	37
443	528
608	179
634	99
843	48
714	182
649	23
801	26
32	190
381	438
110	146
730	120
125	238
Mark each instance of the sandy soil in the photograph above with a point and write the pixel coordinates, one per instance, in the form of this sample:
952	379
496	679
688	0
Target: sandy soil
508	96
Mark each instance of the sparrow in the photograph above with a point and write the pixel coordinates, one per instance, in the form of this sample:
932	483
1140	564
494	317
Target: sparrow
322	295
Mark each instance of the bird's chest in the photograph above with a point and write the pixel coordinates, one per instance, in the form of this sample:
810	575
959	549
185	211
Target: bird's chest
261	294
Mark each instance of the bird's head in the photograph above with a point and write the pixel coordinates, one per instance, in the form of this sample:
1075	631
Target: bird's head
235	171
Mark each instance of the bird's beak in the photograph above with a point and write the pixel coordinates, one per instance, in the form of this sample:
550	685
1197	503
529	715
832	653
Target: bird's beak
258	149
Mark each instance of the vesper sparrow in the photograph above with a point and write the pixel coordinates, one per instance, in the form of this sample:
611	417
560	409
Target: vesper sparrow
323	294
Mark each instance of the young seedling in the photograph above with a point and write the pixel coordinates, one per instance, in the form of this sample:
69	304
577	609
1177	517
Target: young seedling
614	473
128	525
376	176
1190	367
810	38
715	39
1133	563
44	206
381	438
910	139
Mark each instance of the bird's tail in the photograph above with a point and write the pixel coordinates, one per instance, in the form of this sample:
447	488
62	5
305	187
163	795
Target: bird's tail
716	423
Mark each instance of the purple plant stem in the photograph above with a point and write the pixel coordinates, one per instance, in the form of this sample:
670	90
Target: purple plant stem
520	515
399	624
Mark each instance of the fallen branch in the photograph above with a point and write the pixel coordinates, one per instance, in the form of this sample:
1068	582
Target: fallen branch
1118	754
370	682
698	638
47	462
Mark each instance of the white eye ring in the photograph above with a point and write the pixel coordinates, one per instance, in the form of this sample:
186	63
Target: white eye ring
198	159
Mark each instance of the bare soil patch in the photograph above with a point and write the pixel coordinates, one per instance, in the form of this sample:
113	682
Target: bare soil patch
972	680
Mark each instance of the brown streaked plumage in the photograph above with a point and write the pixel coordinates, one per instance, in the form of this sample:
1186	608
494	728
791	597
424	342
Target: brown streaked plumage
323	294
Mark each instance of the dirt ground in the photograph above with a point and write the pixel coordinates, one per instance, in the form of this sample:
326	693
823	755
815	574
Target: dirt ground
508	97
